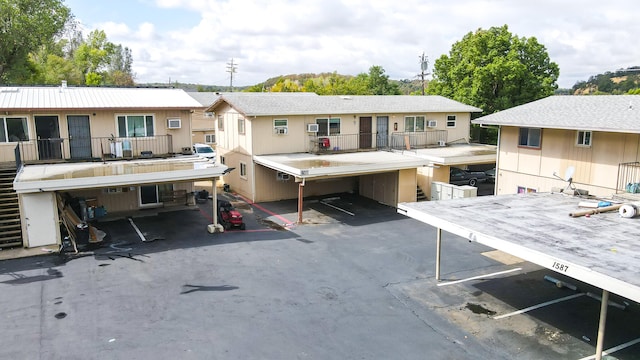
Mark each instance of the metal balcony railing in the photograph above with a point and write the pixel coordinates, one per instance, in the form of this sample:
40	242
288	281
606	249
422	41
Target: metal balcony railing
93	149
372	141
628	177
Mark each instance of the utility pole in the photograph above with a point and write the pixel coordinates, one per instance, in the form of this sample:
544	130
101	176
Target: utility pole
424	65
231	68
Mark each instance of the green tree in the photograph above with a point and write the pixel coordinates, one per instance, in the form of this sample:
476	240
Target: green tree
25	26
378	83
495	70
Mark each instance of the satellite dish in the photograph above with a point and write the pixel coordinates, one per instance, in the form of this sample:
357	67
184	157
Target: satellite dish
568	177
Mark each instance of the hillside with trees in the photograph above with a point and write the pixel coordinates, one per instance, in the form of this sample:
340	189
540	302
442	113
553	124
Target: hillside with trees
623	81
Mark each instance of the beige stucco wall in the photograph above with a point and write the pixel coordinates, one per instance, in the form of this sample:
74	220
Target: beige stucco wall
104	124
407	185
596	167
426	175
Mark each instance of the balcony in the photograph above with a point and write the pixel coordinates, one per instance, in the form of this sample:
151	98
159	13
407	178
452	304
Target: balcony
39	151
373	141
629	180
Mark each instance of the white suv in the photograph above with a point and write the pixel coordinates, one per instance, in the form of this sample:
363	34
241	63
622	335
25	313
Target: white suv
204	151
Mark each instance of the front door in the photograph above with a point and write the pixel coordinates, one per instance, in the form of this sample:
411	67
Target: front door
79	136
48	137
382	136
365	132
149	195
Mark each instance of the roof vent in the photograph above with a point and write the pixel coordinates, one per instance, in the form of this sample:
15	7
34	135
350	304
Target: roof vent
64	84
346	97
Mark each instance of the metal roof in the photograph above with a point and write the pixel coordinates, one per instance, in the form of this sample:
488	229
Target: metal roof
601	250
277	104
310	166
74	176
69	97
613	113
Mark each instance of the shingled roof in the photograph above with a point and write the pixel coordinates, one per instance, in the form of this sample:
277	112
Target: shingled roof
612	113
278	104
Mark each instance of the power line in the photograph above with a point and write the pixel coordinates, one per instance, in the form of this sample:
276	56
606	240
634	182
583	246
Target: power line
424	66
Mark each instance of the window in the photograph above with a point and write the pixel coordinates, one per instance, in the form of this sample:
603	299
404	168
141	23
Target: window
13	129
414	123
328	126
280	126
223	161
135	125
243	170
210	138
583	138
451	121
240	126
530	137
220	122
524	190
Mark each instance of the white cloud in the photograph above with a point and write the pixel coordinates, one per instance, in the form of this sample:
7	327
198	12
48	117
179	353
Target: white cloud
277	37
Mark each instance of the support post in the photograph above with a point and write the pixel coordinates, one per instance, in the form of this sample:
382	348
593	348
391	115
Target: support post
603	322
215	227
300	203
438	252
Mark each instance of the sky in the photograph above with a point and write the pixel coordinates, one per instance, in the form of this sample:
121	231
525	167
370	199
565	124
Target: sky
194	41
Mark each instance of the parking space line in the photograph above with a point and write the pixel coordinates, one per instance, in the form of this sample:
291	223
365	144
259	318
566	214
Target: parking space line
479	277
337	208
539	306
614	349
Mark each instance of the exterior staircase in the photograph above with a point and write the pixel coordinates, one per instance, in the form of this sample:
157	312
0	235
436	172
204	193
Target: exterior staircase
10	227
420	196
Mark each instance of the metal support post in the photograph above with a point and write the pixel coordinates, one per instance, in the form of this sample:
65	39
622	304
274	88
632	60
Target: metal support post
603	322
438	252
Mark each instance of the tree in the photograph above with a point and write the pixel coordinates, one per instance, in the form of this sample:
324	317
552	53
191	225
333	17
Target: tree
495	70
378	83
25	26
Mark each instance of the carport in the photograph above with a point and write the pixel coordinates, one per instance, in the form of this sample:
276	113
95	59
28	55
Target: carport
37	185
601	250
310	167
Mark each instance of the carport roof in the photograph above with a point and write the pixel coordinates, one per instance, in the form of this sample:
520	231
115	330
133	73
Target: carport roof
458	154
602	250
58	177
309	166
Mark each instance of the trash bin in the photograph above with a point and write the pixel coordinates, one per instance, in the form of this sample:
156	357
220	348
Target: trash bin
82	234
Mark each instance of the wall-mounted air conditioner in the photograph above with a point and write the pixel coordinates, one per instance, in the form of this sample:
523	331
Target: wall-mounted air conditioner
282	176
432	123
313	128
175	123
280	130
442	143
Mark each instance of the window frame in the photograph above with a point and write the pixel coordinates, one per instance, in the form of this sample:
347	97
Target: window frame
221	122
415	121
329	126
241	126
223	160
526	190
452	121
243	170
149	128
528	143
584	138
5	134
209	137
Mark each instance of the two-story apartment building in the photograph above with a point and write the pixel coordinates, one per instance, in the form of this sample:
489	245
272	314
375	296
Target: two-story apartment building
288	145
111	149
202	122
568	142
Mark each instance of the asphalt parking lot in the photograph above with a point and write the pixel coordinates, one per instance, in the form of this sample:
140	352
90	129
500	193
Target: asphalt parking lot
355	281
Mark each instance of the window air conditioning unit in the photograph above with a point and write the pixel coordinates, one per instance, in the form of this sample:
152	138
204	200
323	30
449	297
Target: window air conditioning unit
282	176
313	128
442	143
432	123
174	123
280	130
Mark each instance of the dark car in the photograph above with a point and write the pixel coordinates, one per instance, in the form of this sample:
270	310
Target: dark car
491	175
458	176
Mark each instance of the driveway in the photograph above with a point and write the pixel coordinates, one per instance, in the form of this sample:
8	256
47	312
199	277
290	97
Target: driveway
356	281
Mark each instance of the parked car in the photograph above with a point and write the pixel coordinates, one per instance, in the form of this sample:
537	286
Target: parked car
204	151
459	176
491	175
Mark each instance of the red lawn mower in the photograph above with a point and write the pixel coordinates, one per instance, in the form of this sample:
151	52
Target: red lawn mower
228	216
